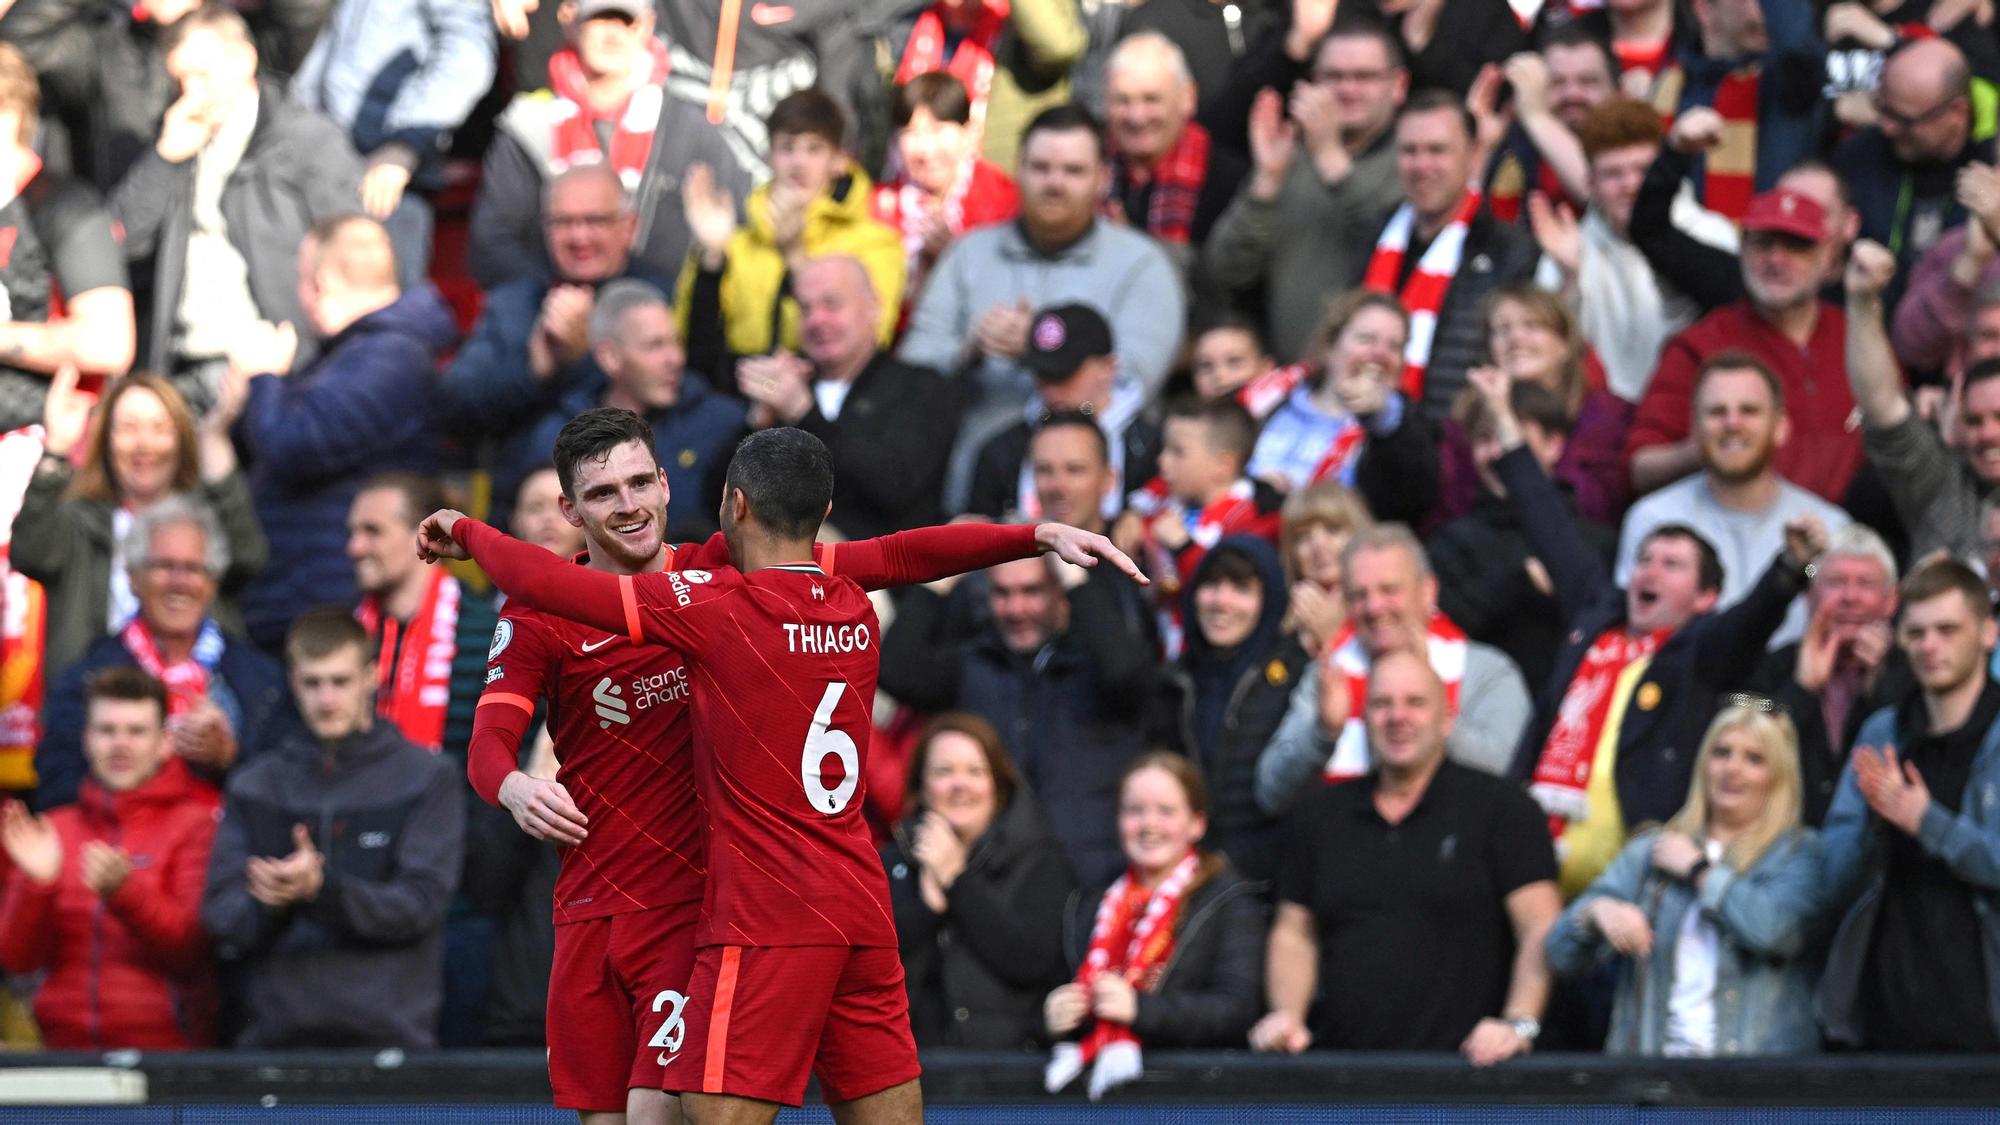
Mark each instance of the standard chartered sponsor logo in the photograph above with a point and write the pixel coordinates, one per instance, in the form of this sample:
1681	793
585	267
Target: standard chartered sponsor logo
616	702
610	704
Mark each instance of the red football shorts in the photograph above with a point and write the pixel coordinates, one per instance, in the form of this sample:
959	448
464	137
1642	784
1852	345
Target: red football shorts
762	1019
616	999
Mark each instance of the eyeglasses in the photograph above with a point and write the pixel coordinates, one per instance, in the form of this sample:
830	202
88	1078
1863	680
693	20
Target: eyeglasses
178	567
1908	120
1750	700
599	221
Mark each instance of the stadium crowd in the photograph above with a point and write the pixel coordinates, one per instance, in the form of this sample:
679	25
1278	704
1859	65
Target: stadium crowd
1561	435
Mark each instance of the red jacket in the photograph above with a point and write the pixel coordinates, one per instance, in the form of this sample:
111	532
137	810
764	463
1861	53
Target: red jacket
132	970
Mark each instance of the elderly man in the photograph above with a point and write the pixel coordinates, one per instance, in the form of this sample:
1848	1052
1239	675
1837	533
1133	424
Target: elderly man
1166	178
1323	174
1412	902
606	105
977	308
1391	598
225	699
889	424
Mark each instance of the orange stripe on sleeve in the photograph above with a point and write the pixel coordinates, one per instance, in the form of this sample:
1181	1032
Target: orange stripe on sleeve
824	554
509	698
630	597
718	1019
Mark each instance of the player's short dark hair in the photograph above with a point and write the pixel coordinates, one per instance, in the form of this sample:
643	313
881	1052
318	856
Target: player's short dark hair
938	91
421	495
592	435
319	633
1708	572
786	476
1006	778
1431	99
1942	576
1230	427
1736	360
1068	117
811	112
1077	419
127	684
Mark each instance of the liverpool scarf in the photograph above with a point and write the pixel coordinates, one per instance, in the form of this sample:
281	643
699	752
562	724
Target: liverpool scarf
1729	171
576	141
1285	431
1133	937
1177	181
971	63
1562	773
186	679
413	669
1423	294
1447	648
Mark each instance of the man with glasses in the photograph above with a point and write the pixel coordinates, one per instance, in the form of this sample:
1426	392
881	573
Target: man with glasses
1323	177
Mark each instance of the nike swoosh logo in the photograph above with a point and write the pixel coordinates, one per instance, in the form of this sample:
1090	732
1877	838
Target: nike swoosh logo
664	1058
594	646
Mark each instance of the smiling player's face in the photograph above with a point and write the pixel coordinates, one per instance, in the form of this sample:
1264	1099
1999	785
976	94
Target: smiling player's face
620	502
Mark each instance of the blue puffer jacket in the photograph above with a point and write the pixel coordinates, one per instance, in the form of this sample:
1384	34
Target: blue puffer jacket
364	406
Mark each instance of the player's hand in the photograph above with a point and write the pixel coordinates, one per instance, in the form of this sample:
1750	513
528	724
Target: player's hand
1065	1008
1084	548
1280	1032
543	809
434	541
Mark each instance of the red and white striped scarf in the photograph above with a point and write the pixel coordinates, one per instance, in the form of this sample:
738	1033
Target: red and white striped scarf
1562	773
186	679
972	63
1447	649
576	141
1177	181
1729	171
413	668
1233	512
1263	395
1423	294
1133	937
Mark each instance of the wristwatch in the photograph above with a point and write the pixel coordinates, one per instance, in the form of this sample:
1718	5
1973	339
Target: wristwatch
1527	1027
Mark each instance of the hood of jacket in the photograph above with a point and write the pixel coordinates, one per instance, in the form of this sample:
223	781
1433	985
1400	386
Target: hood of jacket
1277	599
351	753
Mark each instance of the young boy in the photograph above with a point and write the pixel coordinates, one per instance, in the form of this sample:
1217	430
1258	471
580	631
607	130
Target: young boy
1226	356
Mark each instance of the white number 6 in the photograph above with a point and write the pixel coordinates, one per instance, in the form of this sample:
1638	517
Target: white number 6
820	742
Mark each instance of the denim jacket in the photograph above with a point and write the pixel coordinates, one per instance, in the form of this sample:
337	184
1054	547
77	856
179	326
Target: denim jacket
1763	984
1968	841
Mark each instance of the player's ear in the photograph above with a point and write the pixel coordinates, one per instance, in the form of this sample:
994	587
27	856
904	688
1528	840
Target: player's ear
568	510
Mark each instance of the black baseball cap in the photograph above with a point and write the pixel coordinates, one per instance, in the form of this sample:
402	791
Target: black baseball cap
1061	337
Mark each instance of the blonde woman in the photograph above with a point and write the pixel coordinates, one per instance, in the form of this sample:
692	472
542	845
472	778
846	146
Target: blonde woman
1710	913
1314	527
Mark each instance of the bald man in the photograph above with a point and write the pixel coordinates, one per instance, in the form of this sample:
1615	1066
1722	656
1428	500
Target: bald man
1902	171
363	405
889	424
1166	179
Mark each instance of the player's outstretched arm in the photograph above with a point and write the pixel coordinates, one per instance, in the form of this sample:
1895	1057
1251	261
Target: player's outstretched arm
1084	548
531	575
926	554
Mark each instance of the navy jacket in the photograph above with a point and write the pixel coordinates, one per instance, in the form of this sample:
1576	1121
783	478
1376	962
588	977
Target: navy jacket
365	406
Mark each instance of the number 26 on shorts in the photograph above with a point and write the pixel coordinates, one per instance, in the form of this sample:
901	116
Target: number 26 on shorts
821	742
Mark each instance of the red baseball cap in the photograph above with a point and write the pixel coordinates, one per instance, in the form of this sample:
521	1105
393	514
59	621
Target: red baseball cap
1787	212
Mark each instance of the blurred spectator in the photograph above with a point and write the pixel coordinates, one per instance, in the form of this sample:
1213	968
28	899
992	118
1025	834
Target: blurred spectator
1064	670
1625	309
140	446
1441	253
1450	41
1642	34
978	885
400	81
1937	490
1554	89
364	404
1226	353
1532	336
975	314
335	861
1014	59
514	880
431	638
531	345
606	103
1168	954
1910	839
1214	38
1903	170
1847	666
1782	321
1323	175
1758	74
1200	496
1069	461
1073	357
1391	607
1313	529
1362	898
1641	667
636	343
734	286
1337	415
225	699
1233	682
1738	502
1708	917
889	424
104	892
1489	580
1166	178
1861	34
1949	316
945	188
64	298
237	175
103	75
538	515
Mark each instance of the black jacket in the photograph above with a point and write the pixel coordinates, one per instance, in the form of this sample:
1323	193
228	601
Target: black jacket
1495	254
1213	986
977	973
891	445
996	473
1675	699
1709	276
512	876
1823	753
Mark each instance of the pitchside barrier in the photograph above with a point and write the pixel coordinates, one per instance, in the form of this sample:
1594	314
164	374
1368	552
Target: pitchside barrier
977	1088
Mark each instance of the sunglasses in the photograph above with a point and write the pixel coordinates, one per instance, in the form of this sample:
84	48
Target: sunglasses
1750	700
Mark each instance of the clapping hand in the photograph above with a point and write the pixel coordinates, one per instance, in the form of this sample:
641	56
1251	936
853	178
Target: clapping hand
65	413
1895	790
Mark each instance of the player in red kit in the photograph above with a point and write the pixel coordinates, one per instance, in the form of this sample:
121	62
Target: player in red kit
624	800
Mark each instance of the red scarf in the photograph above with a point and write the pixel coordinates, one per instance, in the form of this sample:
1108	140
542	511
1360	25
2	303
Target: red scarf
1177	181
1233	512
1729	172
1133	937
1507	189
1562	773
1262	396
1447	649
23	622
971	63
981	194
414	665
186	679
1423	294
632	124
